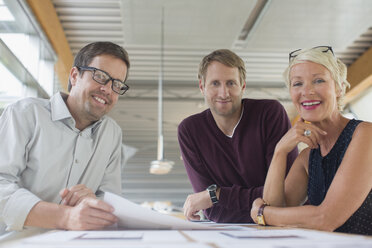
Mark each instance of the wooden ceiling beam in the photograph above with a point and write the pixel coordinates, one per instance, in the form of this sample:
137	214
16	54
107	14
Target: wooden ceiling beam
359	76
47	17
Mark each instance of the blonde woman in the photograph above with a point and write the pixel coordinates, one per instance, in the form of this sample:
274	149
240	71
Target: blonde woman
334	174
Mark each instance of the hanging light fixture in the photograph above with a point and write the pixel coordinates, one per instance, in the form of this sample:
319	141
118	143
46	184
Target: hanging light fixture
161	165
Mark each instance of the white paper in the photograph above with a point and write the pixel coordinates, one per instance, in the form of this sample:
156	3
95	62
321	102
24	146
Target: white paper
133	216
113	245
260	235
55	236
308	244
248	237
96	237
123	235
278	238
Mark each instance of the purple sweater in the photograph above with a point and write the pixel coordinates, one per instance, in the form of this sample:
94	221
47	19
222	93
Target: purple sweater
239	164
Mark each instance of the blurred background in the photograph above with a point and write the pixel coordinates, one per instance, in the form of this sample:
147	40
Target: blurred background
38	39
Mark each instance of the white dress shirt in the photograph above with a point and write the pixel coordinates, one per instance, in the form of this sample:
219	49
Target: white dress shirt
41	152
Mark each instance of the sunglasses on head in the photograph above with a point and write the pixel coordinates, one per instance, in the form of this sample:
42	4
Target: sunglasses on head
323	49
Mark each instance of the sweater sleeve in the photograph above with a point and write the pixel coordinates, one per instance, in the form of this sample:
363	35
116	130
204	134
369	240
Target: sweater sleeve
225	210
276	123
234	205
196	172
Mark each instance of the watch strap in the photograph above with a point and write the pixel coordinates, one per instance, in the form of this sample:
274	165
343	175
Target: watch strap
260	215
212	193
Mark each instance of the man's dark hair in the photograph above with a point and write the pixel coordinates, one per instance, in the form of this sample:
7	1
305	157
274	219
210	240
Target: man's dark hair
92	50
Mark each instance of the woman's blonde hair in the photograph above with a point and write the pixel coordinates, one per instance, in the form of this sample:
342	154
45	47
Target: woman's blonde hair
326	58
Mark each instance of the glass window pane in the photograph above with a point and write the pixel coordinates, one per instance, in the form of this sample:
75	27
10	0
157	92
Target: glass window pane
11	89
21	36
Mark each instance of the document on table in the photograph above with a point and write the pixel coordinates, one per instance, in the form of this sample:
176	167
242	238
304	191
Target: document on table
112	239
271	238
97	237
134	216
258	234
94	235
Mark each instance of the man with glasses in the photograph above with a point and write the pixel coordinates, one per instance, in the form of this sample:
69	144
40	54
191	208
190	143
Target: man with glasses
227	149
59	156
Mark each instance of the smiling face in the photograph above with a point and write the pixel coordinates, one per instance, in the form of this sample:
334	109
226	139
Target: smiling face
313	91
88	100
222	89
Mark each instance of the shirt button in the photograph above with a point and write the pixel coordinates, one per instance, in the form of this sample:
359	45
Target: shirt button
76	161
80	134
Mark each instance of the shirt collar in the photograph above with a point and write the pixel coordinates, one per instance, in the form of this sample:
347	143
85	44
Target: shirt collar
60	112
59	108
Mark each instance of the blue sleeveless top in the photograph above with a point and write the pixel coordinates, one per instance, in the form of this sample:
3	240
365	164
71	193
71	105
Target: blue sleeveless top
321	173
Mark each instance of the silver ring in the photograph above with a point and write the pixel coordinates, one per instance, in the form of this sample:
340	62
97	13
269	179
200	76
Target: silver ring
307	133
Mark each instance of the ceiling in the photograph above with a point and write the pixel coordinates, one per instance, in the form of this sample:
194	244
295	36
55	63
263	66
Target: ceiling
193	29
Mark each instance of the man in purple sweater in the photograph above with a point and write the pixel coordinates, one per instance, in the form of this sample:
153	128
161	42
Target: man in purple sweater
227	148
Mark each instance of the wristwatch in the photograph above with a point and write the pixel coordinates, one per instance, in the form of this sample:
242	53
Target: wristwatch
260	216
212	193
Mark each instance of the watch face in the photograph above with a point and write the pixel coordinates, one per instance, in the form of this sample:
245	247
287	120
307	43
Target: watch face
212	187
261	220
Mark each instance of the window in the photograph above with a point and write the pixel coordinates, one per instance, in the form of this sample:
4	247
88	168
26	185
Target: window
26	57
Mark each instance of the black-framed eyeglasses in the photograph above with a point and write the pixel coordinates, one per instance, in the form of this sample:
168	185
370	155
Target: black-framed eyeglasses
323	49
103	78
